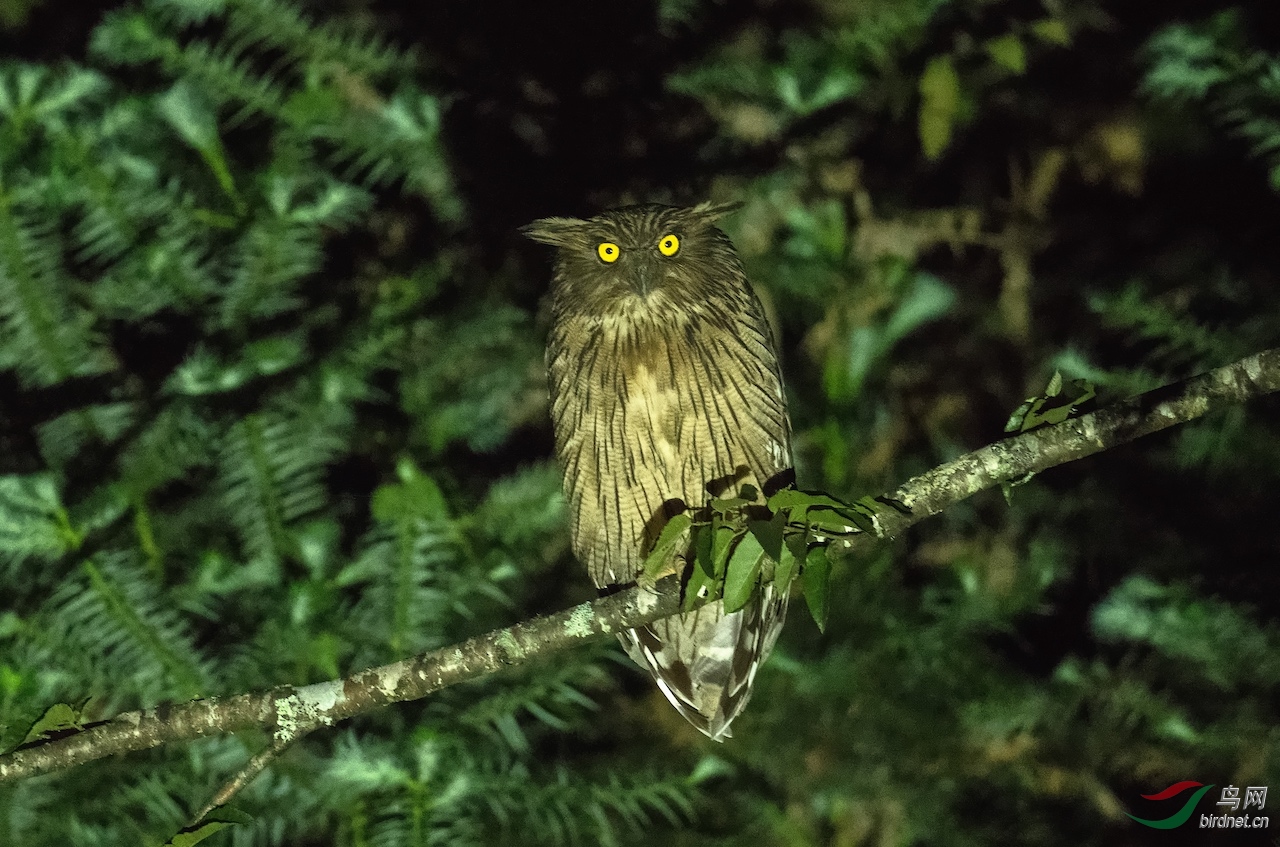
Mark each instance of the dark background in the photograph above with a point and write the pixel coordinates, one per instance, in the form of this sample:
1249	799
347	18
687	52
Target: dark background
1014	671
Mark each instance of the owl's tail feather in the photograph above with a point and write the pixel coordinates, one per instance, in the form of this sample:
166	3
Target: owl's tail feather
705	661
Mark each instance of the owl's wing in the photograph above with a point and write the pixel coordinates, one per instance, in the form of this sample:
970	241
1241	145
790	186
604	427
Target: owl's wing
740	396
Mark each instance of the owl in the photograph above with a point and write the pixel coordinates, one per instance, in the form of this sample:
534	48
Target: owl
665	392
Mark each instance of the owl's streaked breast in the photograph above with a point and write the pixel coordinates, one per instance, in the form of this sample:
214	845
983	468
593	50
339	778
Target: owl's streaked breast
654	406
661	409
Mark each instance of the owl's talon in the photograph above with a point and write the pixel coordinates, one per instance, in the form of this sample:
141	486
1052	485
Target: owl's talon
648	582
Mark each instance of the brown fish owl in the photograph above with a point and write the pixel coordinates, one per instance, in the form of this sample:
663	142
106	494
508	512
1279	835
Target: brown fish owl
665	389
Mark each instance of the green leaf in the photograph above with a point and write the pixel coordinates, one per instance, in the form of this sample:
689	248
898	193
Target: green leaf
1019	416
190	113
823	512
935	131
196	834
785	570
721	546
742	572
817	576
769	534
702	544
839	521
821	231
939	105
1052	31
417	496
794	498
673	534
710	767
1058	403
877	504
928	299
1007	52
795	551
58	719
192	116
713	544
924	298
726	505
214	822
701	583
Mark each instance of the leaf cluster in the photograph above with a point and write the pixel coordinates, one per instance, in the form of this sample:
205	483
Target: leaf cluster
734	545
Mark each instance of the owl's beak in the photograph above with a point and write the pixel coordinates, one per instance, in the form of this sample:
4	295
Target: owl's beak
647	275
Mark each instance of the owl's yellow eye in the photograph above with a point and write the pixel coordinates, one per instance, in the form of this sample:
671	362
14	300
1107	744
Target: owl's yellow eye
608	252
669	245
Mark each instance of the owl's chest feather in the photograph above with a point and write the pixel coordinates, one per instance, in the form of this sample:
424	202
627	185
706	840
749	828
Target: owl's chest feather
646	409
653	410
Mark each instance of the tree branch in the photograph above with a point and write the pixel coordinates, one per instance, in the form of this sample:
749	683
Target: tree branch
291	712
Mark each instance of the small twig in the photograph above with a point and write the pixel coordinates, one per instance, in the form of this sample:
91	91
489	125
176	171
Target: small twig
243	777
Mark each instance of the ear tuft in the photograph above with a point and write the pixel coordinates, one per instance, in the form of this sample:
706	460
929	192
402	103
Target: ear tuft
712	212
558	232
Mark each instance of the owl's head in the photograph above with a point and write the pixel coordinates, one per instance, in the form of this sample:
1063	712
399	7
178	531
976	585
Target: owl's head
641	254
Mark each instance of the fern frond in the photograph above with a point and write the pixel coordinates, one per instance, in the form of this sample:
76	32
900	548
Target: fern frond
45	339
491	382
414	571
226	76
378	141
1223	647
562	807
36	101
171	271
815	71
448	792
284	246
1177	336
524	513
34	524
270	259
181	14
176	441
64	438
282	26
271	473
1208	63
554	695
1187	61
113	625
116	192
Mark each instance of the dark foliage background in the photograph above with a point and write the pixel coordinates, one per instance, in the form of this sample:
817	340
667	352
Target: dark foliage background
274	409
